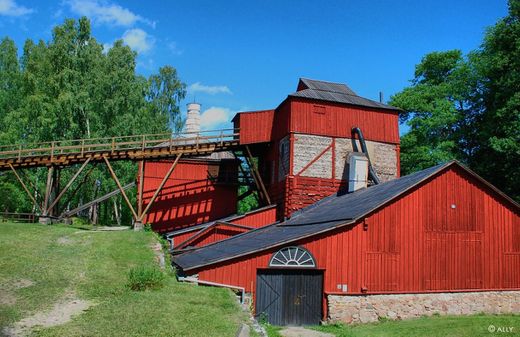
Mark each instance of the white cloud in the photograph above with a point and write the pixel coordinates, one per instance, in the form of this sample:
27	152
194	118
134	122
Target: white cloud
214	117
208	89
103	12
11	8
138	40
174	49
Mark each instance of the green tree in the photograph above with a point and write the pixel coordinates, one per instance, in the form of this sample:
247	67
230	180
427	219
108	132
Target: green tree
435	107
164	94
9	82
468	108
497	124
69	88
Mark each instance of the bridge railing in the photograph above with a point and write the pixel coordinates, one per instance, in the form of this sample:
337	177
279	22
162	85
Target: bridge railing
113	144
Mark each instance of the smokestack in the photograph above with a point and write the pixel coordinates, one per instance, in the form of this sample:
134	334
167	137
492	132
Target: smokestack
381	99
193	118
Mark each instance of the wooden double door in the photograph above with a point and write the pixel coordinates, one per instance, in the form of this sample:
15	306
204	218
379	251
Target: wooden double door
289	296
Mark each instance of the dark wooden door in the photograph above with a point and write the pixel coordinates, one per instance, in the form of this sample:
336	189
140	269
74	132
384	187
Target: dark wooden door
289	296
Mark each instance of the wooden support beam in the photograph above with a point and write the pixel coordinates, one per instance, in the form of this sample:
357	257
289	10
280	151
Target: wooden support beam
140	188
98	200
113	174
65	189
85	177
159	189
25	188
48	189
257	177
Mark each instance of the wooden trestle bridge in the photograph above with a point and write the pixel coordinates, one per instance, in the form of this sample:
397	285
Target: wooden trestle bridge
139	148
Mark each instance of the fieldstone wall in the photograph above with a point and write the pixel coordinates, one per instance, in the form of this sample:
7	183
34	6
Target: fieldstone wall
370	308
306	147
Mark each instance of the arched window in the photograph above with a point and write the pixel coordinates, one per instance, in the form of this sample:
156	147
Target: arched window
292	257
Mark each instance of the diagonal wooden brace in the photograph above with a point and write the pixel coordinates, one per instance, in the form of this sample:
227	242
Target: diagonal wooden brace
113	174
25	188
257	177
69	184
159	189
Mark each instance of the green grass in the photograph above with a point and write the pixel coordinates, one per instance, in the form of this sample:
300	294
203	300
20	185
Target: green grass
272	330
95	266
437	326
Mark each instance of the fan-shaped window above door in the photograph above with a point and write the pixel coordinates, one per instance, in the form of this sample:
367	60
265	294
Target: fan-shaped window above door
292	257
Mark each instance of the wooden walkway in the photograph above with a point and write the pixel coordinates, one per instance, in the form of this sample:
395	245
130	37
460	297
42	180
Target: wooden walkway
140	147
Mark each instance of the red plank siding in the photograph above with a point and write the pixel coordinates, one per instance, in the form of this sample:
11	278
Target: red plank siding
255	126
257	218
333	120
214	234
254	219
339	119
188	197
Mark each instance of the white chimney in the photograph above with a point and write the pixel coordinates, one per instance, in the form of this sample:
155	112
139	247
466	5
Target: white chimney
193	118
358	172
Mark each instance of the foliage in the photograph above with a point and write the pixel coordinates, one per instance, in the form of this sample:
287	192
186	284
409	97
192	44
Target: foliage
468	108
248	203
497	125
436	109
145	277
94	266
71	88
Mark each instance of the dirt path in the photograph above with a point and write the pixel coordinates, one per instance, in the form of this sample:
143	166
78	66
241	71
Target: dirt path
298	331
62	312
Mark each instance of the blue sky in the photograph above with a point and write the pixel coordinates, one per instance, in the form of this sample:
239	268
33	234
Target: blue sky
248	55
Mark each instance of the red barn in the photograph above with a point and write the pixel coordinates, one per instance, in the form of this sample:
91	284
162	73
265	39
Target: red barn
442	238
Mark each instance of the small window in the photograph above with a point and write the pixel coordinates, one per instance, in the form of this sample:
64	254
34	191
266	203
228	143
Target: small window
292	257
319	109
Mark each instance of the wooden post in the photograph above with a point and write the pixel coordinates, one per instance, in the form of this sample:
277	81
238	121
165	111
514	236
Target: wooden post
113	174
159	189
140	190
48	188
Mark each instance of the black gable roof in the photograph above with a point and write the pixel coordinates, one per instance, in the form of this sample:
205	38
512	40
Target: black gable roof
339	88
334	92
327	214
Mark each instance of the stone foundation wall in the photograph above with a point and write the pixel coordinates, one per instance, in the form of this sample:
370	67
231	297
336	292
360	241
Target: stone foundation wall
370	308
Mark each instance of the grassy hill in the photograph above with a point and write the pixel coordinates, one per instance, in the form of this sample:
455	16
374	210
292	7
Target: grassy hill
47	270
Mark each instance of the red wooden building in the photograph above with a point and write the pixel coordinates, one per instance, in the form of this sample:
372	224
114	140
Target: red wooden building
441	230
304	143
